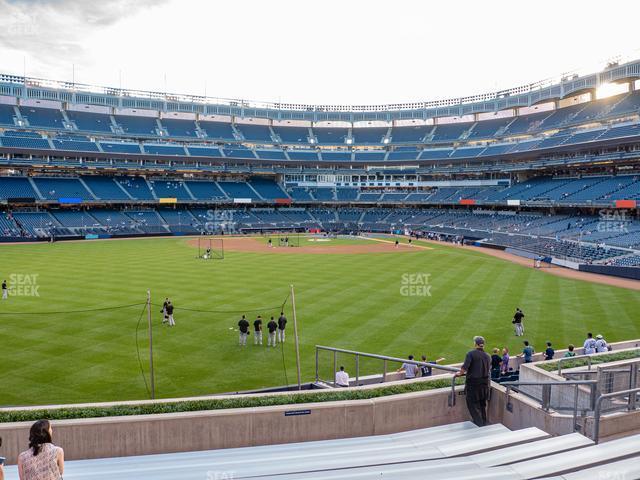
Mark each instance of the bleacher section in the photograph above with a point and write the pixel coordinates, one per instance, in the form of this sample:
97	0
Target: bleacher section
58	188
461	451
145	126
90	122
43	117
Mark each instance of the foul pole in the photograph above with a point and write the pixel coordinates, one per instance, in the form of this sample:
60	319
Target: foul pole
153	382
295	334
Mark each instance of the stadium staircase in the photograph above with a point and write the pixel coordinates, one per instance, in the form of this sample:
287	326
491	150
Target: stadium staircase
460	451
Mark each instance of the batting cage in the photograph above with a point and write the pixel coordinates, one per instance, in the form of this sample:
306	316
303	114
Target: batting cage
210	248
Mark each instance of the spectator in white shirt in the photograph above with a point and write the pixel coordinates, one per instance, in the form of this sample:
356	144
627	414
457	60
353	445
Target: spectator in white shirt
410	369
601	344
589	344
342	378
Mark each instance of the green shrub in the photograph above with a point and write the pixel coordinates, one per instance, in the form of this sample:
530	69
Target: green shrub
595	360
219	404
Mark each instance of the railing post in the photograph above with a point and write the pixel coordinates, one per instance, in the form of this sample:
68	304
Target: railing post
575	408
596	420
335	367
452	398
357	370
633	380
317	370
384	370
546	397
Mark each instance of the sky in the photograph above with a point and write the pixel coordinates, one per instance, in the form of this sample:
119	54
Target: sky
354	52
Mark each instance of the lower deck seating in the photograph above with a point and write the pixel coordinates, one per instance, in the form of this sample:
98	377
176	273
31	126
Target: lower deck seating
460	451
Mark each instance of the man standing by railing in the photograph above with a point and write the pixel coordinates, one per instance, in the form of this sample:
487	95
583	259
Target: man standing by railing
476	367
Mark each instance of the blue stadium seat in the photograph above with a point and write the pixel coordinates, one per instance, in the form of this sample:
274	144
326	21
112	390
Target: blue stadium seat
255	133
113	147
105	188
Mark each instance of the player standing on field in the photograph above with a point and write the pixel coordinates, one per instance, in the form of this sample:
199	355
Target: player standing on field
243	325
282	324
165	318
169	310
4	290
257	327
272	326
517	321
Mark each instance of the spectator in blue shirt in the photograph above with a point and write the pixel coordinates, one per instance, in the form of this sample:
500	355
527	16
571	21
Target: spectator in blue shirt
527	352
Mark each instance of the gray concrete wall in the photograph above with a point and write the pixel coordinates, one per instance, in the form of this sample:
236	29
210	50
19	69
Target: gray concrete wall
181	432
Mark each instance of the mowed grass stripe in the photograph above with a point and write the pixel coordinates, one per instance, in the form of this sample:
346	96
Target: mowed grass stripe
351	301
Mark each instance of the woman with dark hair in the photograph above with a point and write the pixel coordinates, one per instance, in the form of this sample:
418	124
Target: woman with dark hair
43	460
1	463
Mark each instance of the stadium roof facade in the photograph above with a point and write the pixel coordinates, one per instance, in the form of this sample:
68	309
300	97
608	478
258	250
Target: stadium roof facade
517	97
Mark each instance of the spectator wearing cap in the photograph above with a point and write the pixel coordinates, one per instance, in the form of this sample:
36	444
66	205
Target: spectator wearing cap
601	344
477	367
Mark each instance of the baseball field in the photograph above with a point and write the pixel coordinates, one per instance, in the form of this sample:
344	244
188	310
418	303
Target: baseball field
74	326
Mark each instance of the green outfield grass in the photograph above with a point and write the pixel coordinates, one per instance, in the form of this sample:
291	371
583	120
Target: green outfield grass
349	301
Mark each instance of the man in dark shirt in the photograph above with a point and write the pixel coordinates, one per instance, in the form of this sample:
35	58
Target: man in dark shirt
476	367
169	310
549	352
272	326
257	327
165	318
4	290
243	325
518	317
282	324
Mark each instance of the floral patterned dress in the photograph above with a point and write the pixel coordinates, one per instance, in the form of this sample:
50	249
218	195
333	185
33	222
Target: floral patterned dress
43	466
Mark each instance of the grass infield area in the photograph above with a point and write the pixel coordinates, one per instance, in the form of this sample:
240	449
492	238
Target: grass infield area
76	340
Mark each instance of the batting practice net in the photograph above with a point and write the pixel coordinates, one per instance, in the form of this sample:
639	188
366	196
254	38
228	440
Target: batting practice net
210	248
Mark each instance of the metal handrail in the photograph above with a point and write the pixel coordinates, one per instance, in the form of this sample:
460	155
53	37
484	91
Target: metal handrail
385	359
631	405
546	394
577	357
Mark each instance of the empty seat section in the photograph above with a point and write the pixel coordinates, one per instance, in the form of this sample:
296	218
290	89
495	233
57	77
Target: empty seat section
57	188
205	190
72	145
411	134
136	187
90	121
180	128
292	134
218	130
238	190
255	133
16	187
133	125
267	189
330	135
448	132
105	188
370	135
170	189
43	117
113	147
164	149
